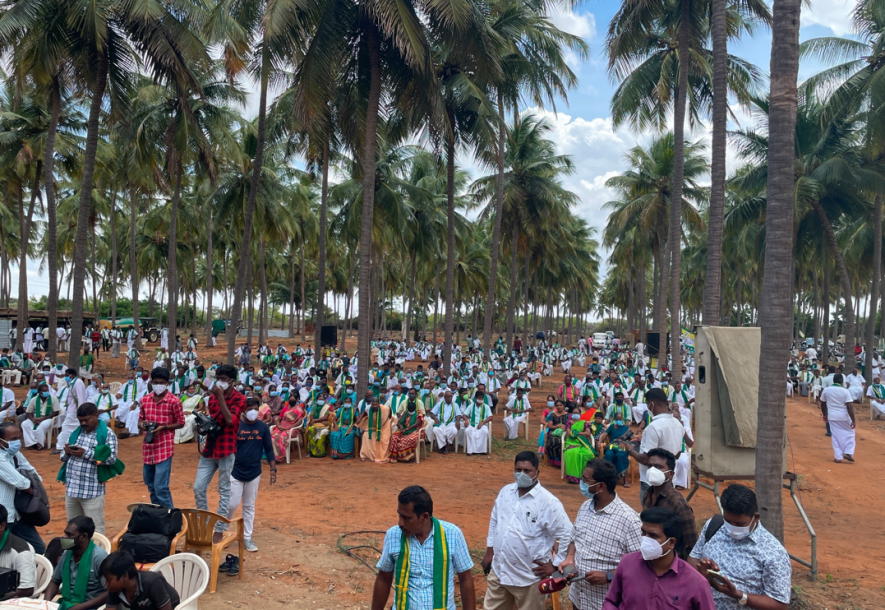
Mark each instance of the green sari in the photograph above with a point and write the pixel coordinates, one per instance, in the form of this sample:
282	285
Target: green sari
578	451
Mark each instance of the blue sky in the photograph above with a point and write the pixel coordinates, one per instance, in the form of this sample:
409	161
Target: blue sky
583	128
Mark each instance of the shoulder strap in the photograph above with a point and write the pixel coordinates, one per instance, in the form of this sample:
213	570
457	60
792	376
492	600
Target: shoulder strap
713	526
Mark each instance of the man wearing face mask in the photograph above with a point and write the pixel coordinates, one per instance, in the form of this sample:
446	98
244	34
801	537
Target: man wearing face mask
225	405
253	439
526	521
661	470
77	577
76	397
447	417
656	577
160	416
755	568
128	398
515	412
664	431
40	410
605	530
13	467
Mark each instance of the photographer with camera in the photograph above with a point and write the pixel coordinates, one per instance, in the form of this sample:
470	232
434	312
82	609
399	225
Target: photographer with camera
160	416
219	451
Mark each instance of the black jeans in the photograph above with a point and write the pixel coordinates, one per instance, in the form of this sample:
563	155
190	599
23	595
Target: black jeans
28	533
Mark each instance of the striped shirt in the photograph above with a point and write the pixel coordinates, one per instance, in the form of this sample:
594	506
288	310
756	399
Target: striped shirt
421	564
11	479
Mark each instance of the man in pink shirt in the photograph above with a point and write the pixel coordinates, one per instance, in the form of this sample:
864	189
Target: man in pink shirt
655	578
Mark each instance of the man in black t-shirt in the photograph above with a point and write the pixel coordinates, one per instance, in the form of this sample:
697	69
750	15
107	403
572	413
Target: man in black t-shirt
253	443
129	588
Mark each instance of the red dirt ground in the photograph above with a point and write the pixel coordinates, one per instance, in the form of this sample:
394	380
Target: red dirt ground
316	500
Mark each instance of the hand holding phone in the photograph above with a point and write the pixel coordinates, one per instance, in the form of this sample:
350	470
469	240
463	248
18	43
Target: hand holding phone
718	578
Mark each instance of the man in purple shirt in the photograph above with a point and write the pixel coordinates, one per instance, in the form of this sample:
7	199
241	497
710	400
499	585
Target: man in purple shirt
658	579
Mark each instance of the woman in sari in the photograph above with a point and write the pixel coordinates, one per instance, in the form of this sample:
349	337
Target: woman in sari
612	439
557	424
343	435
273	402
291	418
542	437
409	430
318	428
580	448
191	401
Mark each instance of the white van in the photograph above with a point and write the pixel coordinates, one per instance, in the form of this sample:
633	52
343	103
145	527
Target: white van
599	340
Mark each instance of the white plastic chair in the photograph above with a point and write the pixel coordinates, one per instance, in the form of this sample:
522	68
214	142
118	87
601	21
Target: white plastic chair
102	541
43	576
525	424
426	441
8	376
115	387
294	437
189	576
491	433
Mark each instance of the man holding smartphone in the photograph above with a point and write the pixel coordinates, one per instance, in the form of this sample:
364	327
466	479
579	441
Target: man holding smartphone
160	416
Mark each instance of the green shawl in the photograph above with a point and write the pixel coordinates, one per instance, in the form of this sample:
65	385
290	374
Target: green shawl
441	562
78	596
102	453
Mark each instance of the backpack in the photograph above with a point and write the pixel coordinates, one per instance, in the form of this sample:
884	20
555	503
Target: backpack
716	522
32	509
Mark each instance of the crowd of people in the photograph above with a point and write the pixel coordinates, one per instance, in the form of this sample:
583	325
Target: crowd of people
624	406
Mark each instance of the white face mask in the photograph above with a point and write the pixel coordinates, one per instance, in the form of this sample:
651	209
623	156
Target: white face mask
656	476
159	388
650	548
738	533
252	414
222	384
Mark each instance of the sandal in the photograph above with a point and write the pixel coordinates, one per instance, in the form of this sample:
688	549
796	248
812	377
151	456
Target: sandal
224	567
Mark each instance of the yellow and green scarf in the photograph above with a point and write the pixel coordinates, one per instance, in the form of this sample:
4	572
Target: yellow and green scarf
441	562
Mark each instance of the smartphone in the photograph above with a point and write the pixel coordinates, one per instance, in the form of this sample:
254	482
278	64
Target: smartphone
718	578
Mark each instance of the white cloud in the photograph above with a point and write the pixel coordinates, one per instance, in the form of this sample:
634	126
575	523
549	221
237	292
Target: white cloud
833	14
583	24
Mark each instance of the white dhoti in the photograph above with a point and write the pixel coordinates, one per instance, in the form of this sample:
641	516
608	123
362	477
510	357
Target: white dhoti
511	425
789	388
842	437
581	360
535	378
444	434
683	469
164	342
566	366
476	440
548	370
877	408
127	414
36	435
7	413
639	411
815	391
186	433
68	426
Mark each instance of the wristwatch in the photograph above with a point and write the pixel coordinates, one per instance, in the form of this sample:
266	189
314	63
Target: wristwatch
743	600
609	576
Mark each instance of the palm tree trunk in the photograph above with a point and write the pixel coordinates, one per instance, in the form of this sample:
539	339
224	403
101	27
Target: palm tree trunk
114	258
321	271
262	299
368	213
292	301
85	208
717	165
643	319
408	326
775	312
435	307
301	309
245	252
172	280
525	322
675	239
496	232
25	227
874	290
450	243
210	275
52	226
845	280
348	306
511	302
251	313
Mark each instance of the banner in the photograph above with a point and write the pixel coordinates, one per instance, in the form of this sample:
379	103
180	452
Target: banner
688	338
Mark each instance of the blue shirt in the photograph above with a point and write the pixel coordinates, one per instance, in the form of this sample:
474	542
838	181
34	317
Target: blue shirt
758	564
421	565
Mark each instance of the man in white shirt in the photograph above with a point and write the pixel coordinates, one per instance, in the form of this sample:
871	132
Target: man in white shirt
855	384
838	411
516	412
128	398
7	403
76	397
876	392
446	416
527	520
664	431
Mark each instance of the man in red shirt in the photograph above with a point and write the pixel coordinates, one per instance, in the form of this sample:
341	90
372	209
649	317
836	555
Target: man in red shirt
160	416
225	405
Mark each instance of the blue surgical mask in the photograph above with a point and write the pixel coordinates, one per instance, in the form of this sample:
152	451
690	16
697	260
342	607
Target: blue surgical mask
619	422
13	447
45	394
274	393
585	490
